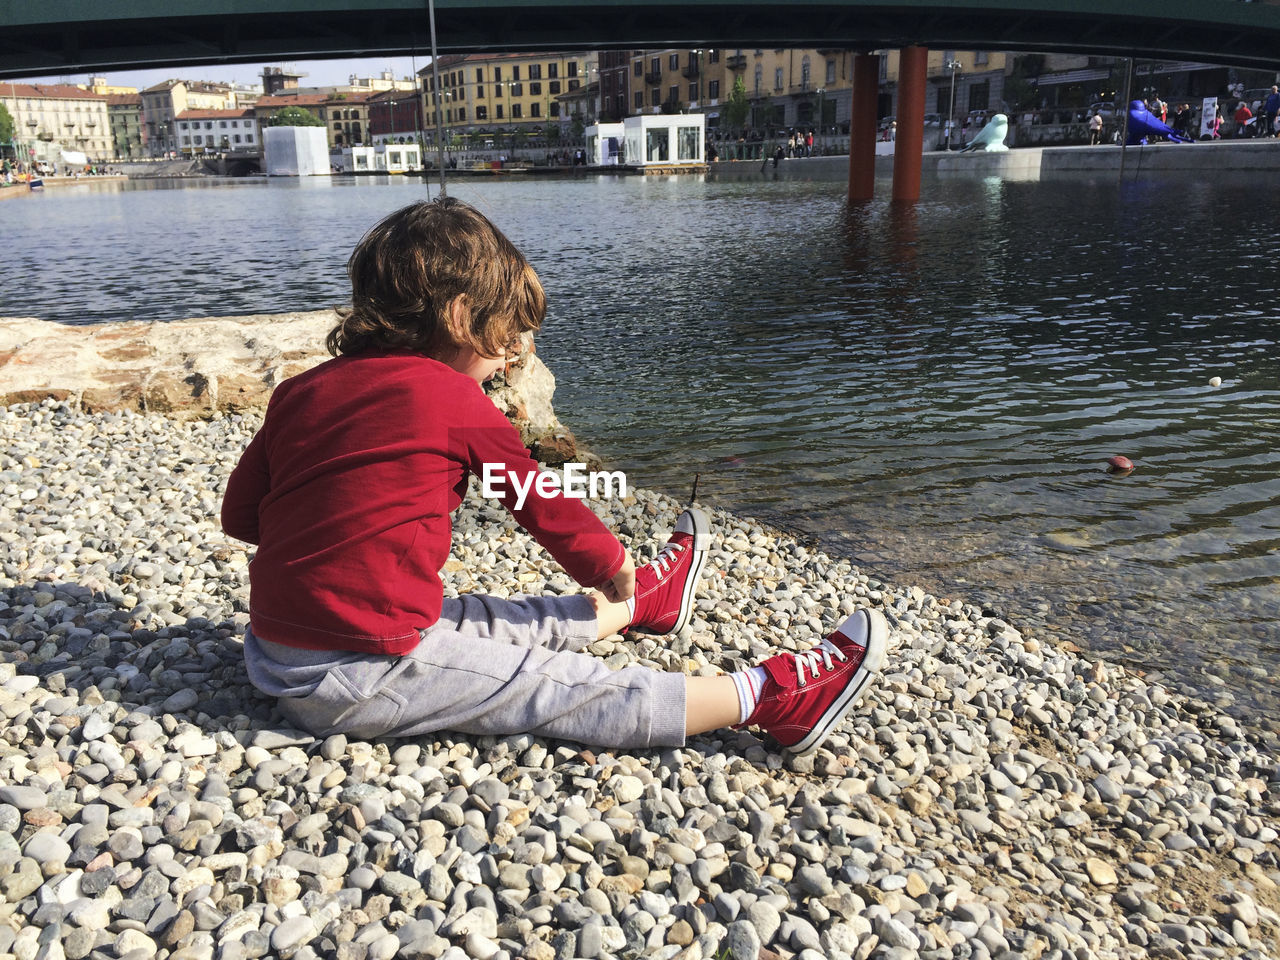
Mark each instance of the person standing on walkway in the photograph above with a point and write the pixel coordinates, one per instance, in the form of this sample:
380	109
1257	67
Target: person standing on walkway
1242	117
1272	107
1095	129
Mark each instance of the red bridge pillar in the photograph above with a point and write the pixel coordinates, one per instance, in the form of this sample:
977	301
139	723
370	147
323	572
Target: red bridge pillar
913	65
862	127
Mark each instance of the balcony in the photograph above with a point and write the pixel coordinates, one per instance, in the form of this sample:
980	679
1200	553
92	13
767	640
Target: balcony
737	62
653	78
691	71
800	89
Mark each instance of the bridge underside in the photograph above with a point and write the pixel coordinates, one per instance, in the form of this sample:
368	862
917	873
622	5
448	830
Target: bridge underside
55	37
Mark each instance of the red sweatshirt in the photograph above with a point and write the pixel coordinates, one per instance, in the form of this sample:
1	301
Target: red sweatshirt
348	487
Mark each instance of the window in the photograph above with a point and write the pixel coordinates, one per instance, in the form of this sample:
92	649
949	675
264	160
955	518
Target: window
657	146
693	91
713	89
515	71
655	66
673	62
535	71
656	97
713	56
222	124
337	126
573	68
687	143
208	124
639	100
186	138
535	109
760	77
248	138
831	71
517	111
237	136
777	78
183	125
555	109
804	72
497	92
479	74
482	113
574	84
638	70
980	58
517	89
462	114
979	94
498	108
497	74
198	139
394	157
535	89
554	86
673	94
553	70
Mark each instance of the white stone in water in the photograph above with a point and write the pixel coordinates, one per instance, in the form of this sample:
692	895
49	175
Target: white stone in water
1215	381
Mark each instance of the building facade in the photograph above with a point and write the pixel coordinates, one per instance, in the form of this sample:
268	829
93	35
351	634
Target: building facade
162	103
488	95
124	112
52	118
395	116
218	131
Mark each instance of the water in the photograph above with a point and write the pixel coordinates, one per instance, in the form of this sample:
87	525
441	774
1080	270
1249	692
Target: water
934	391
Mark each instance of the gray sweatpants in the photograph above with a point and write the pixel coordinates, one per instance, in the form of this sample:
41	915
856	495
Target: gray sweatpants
487	666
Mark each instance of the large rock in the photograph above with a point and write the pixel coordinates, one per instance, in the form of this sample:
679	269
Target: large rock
194	367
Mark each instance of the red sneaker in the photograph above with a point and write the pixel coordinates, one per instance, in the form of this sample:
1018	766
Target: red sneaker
807	694
665	587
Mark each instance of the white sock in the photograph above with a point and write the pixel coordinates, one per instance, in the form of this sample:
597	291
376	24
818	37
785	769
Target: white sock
749	683
631	609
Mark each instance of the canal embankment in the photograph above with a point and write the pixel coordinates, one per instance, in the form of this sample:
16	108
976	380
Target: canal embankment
1039	163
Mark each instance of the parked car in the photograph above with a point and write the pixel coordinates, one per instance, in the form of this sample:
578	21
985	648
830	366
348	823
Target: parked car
1106	108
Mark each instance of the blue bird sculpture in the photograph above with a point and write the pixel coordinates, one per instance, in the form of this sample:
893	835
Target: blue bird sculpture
1143	124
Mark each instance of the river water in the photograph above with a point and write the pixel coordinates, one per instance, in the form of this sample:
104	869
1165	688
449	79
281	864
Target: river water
934	390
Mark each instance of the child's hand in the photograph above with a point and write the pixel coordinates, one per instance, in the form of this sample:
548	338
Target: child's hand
622	585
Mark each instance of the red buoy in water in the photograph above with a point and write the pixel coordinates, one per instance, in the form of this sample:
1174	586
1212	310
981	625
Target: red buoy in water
1119	464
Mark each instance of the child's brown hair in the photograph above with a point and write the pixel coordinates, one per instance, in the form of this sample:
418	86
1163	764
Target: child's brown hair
408	270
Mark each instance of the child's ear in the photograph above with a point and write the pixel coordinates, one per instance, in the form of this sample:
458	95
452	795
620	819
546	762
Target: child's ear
458	319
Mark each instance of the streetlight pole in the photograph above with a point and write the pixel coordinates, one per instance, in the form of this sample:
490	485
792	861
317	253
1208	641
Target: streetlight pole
954	67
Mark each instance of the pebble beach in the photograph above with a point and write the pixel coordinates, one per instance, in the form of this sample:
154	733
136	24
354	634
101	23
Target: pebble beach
991	796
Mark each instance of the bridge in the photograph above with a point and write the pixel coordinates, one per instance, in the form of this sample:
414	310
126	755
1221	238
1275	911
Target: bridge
72	36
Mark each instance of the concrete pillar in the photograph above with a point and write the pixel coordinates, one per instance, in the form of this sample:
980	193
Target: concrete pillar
862	127
913	65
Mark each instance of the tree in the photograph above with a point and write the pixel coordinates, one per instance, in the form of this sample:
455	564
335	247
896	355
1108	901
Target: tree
6	125
295	117
577	128
737	106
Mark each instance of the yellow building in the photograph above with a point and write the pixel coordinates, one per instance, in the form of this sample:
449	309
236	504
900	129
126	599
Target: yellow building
979	82
100	86
500	93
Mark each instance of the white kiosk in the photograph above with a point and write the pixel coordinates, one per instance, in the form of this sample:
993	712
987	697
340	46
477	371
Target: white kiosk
604	144
665	140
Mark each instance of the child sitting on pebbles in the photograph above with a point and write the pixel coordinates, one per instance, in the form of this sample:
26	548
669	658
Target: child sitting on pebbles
348	488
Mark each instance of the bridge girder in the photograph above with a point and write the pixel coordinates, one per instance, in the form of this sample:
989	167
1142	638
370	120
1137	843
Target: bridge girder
71	36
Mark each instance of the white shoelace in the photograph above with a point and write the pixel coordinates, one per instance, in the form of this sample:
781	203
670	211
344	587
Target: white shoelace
663	561
823	652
